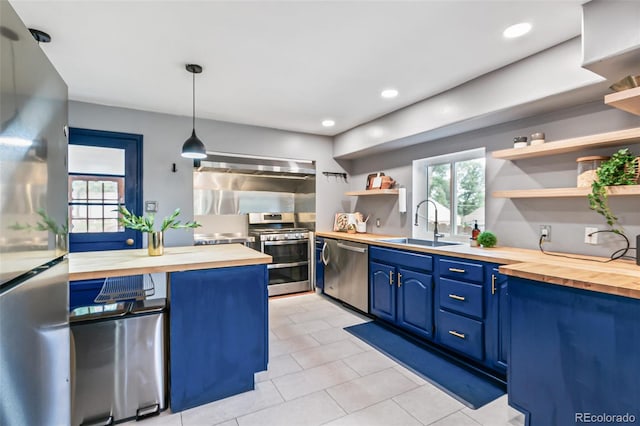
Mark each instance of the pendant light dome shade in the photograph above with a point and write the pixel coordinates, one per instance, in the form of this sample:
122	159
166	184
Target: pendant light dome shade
193	147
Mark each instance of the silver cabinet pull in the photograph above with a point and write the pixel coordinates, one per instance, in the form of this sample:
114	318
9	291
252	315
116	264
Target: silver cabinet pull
462	271
456	297
455	333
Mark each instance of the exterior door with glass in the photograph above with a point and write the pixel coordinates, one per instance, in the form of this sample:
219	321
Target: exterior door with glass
105	170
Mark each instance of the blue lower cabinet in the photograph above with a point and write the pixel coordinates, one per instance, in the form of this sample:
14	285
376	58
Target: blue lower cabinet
218	333
399	293
319	264
573	354
83	293
497	321
460	333
415	302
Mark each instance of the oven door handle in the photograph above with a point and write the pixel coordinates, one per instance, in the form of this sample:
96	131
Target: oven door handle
325	260
284	242
287	265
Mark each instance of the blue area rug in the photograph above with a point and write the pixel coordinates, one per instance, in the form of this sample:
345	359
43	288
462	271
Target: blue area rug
469	387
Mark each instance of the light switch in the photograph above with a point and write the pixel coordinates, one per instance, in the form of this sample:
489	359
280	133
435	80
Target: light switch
151	207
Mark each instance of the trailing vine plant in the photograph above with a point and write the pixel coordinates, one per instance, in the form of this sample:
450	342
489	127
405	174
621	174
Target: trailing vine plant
620	169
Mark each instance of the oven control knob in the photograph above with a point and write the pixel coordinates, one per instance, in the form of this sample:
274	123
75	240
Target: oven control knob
298	235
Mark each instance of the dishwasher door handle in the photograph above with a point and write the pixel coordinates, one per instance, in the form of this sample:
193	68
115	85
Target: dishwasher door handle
324	259
352	248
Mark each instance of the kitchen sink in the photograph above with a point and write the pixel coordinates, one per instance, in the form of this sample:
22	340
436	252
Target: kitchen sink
419	242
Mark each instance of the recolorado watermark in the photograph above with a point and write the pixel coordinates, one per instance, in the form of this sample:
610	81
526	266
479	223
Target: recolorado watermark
604	418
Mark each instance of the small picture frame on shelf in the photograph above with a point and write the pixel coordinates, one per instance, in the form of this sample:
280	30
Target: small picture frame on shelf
374	180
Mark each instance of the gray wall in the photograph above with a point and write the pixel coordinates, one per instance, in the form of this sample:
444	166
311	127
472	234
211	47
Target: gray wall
163	138
516	222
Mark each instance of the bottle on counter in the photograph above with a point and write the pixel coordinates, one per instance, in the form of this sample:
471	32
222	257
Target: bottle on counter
475	231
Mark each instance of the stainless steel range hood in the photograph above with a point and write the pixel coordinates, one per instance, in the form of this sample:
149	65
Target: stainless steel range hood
611	38
254	165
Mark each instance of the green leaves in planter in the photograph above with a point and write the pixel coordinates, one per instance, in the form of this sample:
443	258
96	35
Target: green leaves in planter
146	223
620	169
487	239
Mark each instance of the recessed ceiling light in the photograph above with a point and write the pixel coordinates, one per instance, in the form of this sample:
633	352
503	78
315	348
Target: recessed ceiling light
517	30
389	93
328	123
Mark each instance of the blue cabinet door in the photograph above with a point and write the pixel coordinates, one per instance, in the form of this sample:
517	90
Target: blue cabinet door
415	302
218	333
497	321
319	265
382	291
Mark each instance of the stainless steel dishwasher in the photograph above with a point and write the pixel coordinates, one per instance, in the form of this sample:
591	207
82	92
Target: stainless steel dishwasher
346	273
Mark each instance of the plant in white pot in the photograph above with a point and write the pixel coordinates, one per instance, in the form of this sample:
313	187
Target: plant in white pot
147	224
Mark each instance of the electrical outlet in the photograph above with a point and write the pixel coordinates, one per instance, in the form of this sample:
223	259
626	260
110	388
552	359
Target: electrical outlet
545	232
590	239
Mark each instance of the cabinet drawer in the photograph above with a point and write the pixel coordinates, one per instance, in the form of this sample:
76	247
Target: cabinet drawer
401	258
460	333
465	298
461	270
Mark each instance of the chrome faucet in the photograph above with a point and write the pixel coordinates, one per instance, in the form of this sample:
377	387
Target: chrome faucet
436	234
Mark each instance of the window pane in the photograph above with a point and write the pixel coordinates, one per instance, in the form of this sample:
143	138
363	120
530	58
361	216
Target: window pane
95	212
469	195
78	225
95	225
78	212
439	181
110	212
95	190
96	160
78	190
110	190
111	225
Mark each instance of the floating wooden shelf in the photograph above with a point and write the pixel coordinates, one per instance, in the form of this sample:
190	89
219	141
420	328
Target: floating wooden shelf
374	192
622	190
618	137
626	100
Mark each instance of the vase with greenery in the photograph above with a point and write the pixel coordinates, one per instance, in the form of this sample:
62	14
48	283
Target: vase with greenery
147	224
620	169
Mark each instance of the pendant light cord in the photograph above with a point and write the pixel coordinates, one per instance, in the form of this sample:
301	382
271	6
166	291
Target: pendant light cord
194	101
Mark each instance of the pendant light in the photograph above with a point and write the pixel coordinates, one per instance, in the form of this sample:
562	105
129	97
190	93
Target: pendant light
193	147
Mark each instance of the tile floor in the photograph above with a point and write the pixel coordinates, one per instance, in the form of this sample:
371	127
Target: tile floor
321	375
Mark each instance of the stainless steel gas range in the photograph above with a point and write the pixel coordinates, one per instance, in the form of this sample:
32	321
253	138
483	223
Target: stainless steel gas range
290	247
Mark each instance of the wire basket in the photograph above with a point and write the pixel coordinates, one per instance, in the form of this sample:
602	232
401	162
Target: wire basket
136	287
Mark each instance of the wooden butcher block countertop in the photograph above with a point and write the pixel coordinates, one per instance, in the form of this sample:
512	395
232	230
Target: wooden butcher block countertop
620	277
117	263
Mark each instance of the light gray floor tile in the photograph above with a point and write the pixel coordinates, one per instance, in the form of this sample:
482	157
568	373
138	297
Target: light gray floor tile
411	375
331	335
371	389
278	366
456	419
293	344
166	418
265	395
231	422
312	380
496	413
428	403
276	321
326	353
291	330
385	413
327	311
310	410
369	362
346	319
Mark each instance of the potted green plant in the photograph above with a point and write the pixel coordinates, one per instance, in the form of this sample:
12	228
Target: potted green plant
487	239
147	224
620	169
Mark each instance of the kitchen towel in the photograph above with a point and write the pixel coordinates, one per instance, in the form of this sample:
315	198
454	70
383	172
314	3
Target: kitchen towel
467	386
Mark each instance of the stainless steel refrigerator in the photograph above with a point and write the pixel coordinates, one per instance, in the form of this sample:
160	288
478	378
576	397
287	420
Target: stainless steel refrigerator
34	325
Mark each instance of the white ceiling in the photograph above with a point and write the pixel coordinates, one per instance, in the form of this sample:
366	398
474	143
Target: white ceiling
286	64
